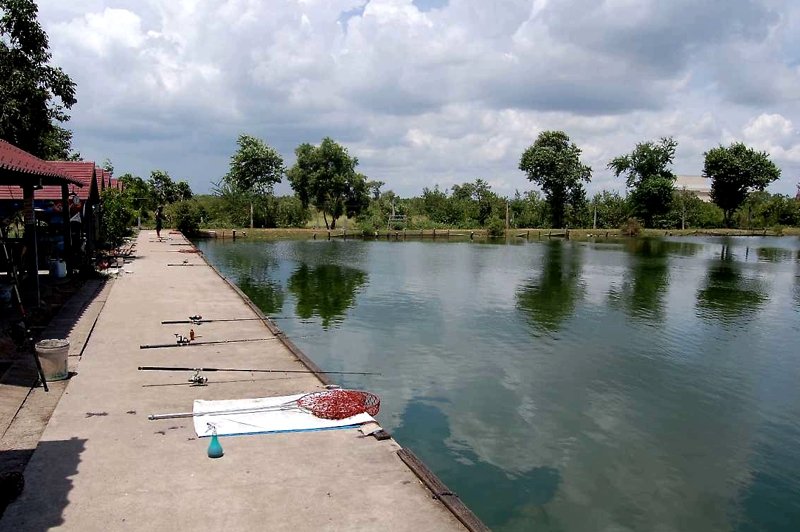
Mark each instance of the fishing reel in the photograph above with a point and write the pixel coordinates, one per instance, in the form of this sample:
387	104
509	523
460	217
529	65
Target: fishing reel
196	319
181	339
198	379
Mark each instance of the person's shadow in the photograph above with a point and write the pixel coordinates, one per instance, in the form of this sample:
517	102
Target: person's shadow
37	501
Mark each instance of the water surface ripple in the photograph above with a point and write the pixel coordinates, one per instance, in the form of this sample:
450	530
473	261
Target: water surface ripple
644	385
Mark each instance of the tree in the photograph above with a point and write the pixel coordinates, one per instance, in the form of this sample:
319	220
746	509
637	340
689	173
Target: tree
325	177
255	169
648	177
375	188
608	210
162	187
183	191
33	94
553	163
137	194
117	216
735	171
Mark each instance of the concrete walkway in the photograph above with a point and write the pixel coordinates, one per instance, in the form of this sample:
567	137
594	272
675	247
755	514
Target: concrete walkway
101	465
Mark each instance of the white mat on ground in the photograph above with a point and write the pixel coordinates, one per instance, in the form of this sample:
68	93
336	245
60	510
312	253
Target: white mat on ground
229	418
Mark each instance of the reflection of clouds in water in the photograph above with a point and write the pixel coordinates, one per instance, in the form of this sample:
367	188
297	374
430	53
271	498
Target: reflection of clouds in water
646	427
529	489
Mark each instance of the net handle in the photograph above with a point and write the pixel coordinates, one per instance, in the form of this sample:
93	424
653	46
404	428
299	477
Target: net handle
371	405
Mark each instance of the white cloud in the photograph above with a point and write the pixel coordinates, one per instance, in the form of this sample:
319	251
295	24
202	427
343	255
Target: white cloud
442	95
774	134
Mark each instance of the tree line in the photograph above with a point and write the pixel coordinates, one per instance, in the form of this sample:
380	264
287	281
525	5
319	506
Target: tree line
327	188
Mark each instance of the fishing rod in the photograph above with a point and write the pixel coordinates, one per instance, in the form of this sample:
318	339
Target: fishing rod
200	320
186	343
178	368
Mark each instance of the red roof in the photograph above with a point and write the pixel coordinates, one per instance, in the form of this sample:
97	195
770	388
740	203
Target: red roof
16	160
79	172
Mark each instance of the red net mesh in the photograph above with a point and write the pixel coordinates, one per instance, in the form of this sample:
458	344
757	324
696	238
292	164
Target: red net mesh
340	404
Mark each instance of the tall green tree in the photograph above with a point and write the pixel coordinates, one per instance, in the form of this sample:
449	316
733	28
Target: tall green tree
162	187
553	163
34	95
137	194
325	176
648	177
735	171
255	168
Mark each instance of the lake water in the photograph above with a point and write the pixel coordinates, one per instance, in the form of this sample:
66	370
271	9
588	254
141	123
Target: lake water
644	385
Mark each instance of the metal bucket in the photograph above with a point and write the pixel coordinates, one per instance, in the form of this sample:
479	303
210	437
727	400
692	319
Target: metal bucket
53	356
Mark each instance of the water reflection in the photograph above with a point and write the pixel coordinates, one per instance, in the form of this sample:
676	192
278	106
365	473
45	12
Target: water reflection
645	285
775	254
266	294
493	494
770	501
551	298
728	295
327	290
612	424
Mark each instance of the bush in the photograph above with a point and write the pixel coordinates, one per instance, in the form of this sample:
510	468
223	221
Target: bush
185	216
631	227
496	227
116	218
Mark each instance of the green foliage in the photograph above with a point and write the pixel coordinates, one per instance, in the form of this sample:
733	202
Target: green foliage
185	216
324	176
138	194
162	187
553	163
689	211
496	227
290	212
116	217
648	177
528	210
33	94
631	227
469	205
611	209
735	171
762	209
255	168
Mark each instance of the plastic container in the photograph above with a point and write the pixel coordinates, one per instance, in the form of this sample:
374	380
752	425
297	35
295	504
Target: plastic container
53	357
58	268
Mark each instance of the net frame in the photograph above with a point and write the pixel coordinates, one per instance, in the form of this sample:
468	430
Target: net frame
335	404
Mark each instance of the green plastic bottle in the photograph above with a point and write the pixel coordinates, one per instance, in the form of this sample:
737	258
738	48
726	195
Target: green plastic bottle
214	447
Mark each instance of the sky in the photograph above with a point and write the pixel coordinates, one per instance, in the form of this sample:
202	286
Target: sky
427	92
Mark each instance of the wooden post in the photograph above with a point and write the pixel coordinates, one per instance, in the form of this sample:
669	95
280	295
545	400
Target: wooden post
67	230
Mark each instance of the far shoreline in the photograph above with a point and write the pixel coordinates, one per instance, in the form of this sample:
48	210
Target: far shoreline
521	235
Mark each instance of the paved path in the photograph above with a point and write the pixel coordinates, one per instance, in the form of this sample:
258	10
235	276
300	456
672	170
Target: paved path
101	465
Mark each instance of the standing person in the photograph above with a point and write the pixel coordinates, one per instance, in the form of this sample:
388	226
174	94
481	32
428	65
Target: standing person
159	220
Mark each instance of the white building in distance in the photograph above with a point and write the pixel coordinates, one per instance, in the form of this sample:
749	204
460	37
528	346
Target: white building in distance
695	183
